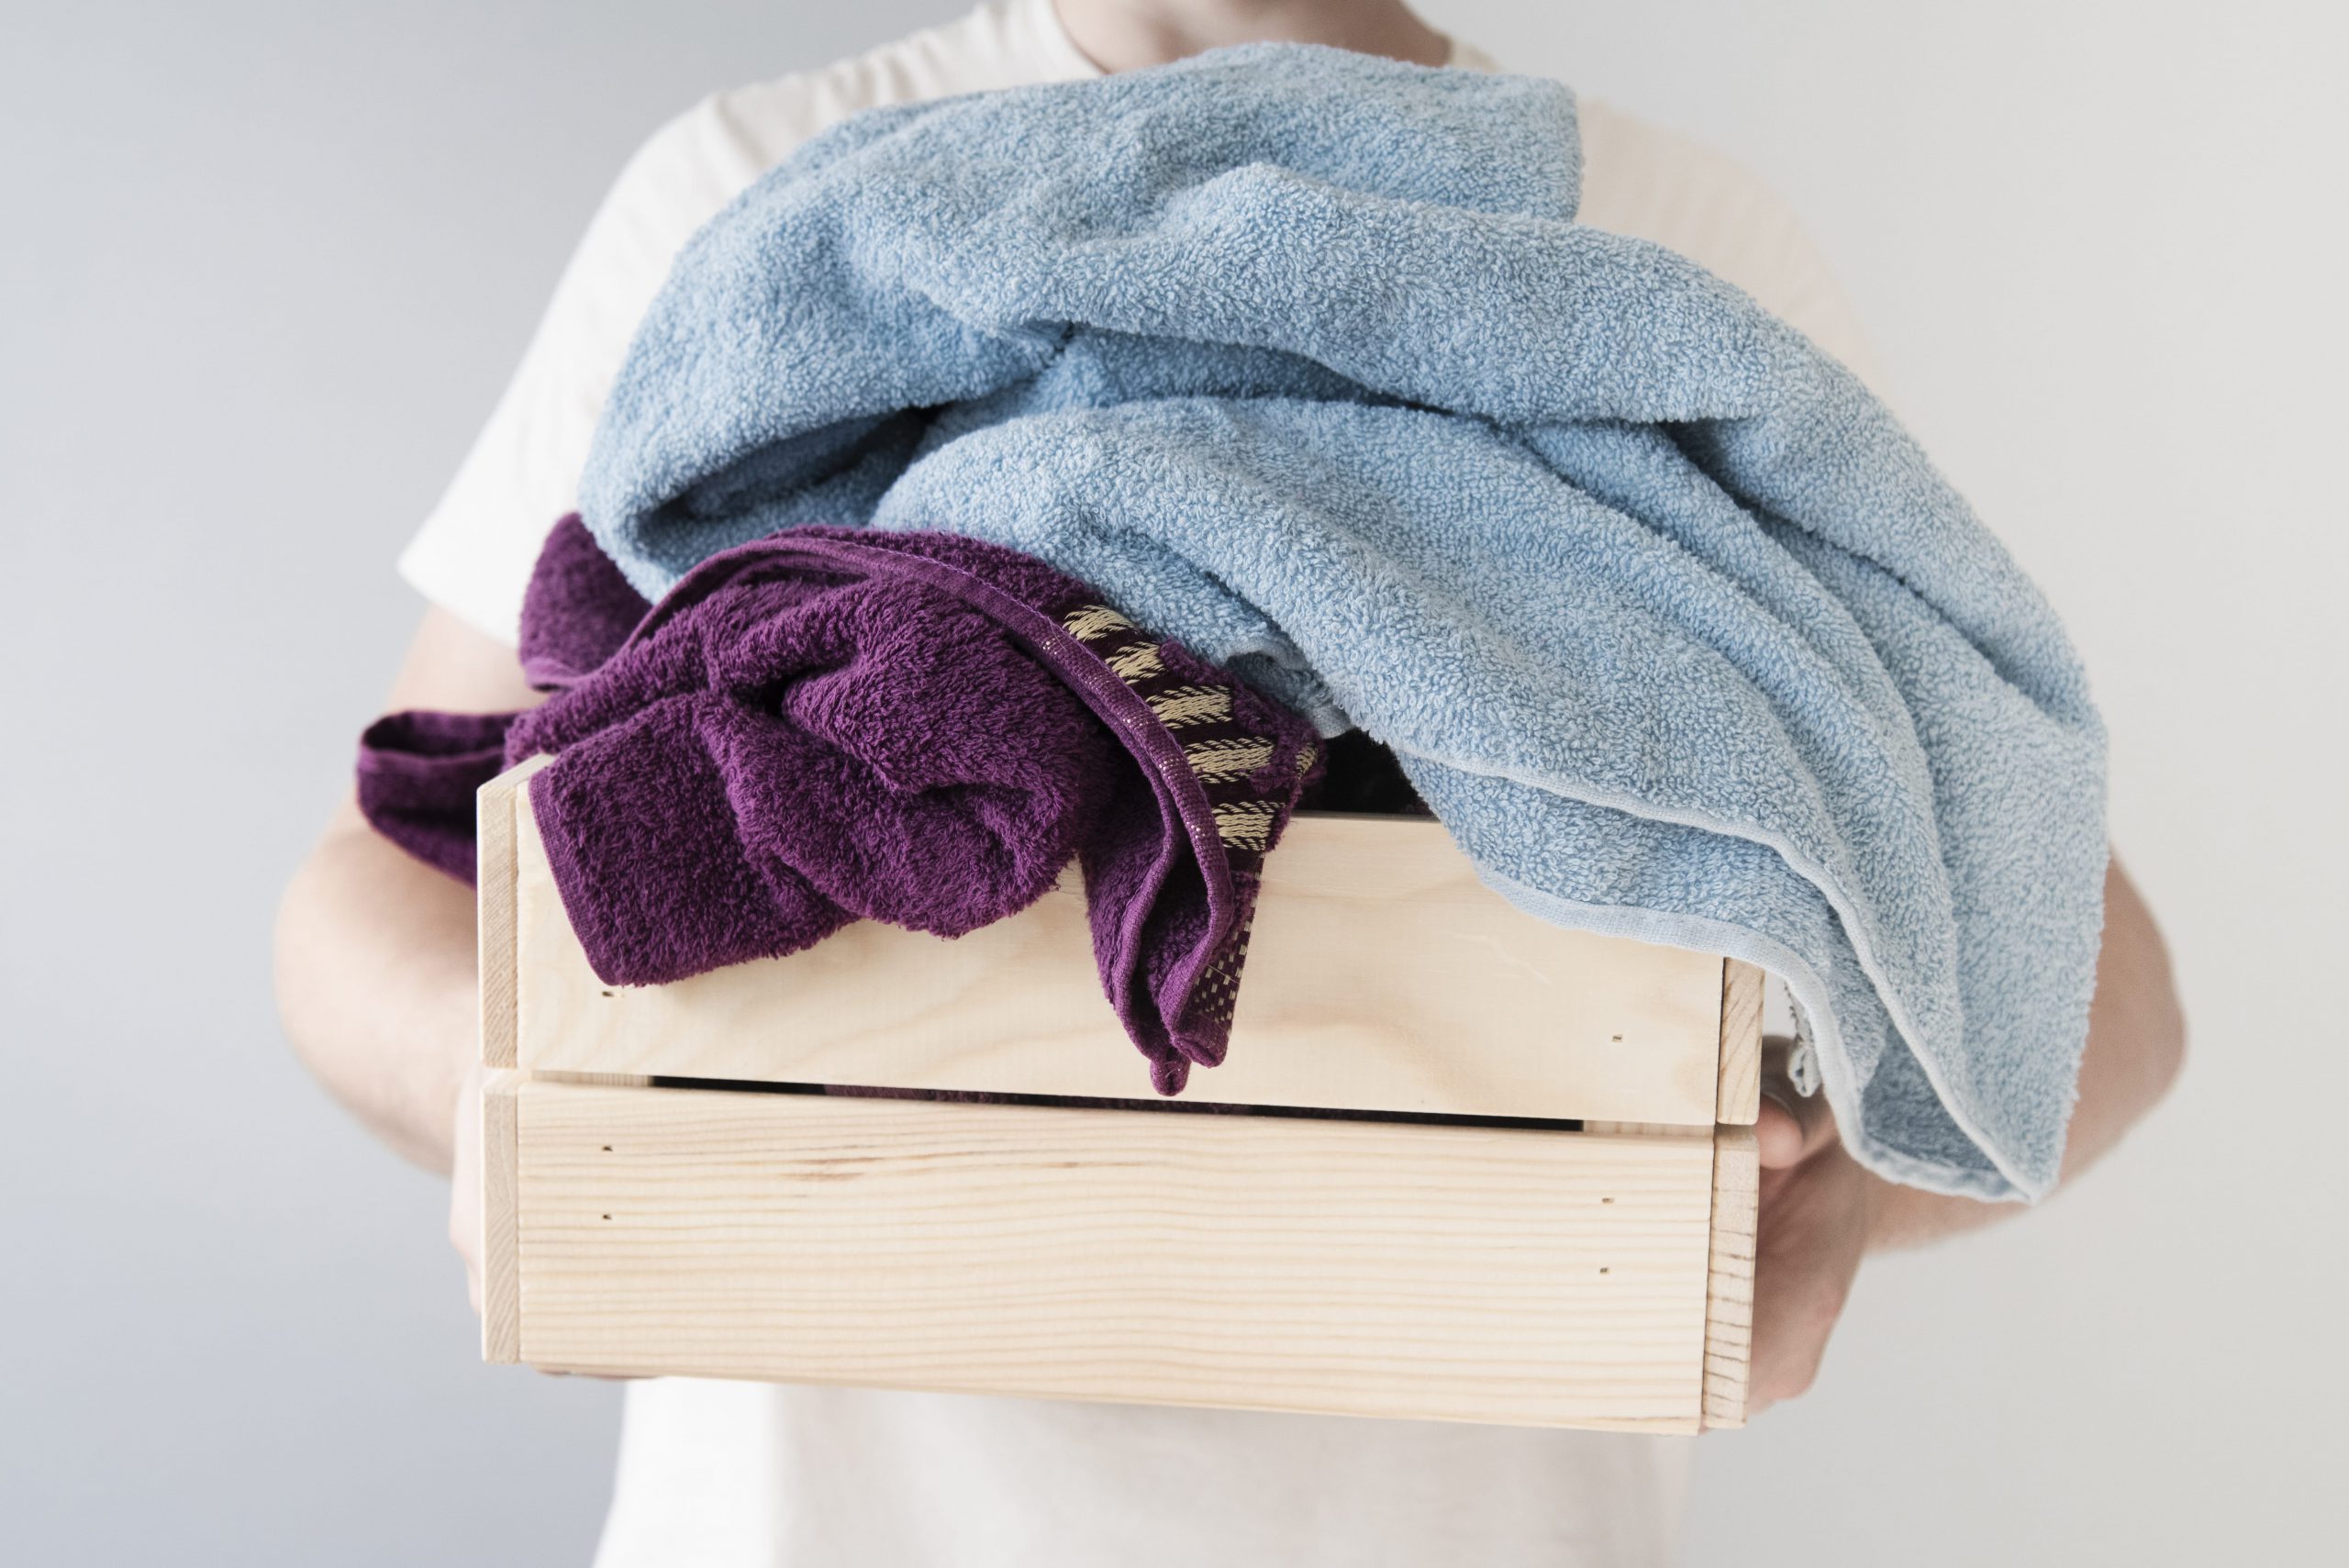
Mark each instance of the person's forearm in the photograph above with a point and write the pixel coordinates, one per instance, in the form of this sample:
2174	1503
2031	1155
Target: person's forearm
2136	1044
375	975
375	982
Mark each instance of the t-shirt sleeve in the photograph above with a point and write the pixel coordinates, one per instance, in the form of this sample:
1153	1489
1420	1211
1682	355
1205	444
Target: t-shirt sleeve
474	553
1792	279
1689	197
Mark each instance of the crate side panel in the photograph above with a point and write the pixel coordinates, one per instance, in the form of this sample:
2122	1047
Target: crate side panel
1372	1269
1381	977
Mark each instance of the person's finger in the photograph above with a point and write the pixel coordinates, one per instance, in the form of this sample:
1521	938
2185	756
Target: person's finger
1789	1127
1777	1133
1814	1231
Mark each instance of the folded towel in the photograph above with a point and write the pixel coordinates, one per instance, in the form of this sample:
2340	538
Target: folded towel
1299	357
826	726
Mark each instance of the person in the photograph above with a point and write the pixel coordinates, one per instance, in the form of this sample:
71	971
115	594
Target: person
376	974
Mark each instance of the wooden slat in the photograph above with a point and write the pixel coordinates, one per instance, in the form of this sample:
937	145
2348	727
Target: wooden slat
1654	1128
1740	1044
496	807
501	1273
1729	1291
1267	1262
1382	975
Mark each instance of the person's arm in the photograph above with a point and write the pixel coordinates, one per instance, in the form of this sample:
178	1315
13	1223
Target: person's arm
1821	1213
375	973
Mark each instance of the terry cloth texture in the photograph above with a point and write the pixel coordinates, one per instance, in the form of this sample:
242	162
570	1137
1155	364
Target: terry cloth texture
918	728
1300	356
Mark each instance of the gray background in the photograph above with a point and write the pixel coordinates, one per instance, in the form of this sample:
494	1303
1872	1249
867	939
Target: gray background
266	266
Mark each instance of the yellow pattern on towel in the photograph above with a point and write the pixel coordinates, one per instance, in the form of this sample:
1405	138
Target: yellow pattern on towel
1135	662
1190	704
1225	759
1246	823
1091	621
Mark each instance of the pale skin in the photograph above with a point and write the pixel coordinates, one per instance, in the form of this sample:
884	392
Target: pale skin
375	971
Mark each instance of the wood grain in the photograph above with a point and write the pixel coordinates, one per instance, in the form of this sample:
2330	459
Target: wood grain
496	808
1739	1099
1263	1263
1382	975
1729	1288
501	1272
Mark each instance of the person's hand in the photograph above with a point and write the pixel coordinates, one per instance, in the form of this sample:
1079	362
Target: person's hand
464	1181
1817	1215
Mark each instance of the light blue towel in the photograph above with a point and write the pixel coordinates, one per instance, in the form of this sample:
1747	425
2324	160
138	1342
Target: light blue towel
1300	356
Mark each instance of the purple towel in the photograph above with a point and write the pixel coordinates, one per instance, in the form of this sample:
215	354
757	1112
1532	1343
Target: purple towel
830	724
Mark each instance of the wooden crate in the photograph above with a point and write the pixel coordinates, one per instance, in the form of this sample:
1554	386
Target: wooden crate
1558	1232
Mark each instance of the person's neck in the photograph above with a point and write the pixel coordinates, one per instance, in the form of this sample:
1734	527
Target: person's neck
1128	35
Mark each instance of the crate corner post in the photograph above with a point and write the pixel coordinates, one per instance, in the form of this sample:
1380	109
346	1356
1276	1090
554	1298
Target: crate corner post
494	911
501	1261
1740	1088
1728	1277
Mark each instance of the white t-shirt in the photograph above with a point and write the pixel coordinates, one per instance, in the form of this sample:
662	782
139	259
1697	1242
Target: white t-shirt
717	1474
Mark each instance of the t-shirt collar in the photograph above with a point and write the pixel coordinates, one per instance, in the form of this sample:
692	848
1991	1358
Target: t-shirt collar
1041	19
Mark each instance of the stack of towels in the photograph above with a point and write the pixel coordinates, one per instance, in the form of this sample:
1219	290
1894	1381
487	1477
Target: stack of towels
1298	360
